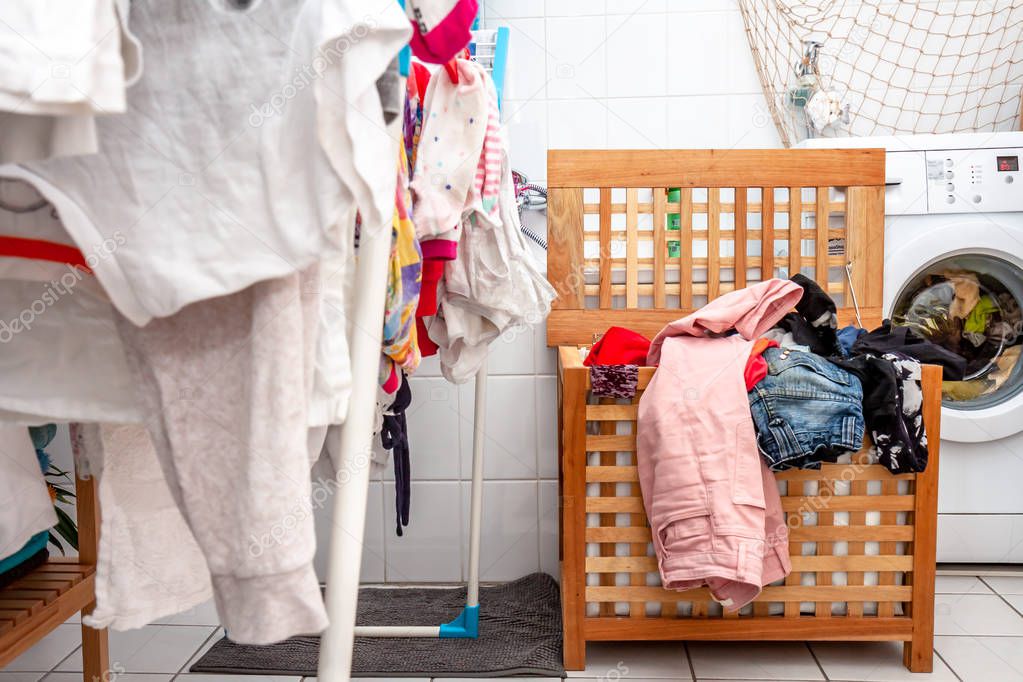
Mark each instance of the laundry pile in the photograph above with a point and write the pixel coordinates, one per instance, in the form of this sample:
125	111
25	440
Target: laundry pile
974	317
759	380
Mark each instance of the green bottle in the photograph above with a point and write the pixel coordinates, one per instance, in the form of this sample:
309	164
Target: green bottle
674	221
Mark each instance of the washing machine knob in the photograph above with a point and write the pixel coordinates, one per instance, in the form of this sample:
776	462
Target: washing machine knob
976	198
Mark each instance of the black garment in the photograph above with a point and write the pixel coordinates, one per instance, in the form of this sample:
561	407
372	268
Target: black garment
901	441
815	305
394	437
904	340
820	340
815	322
897	435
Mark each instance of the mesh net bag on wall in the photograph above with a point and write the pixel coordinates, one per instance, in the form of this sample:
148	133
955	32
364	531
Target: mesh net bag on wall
879	67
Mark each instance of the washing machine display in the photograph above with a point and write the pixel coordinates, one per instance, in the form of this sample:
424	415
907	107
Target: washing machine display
1008	163
970	305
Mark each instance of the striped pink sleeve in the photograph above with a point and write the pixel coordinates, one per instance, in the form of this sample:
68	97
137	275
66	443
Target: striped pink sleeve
487	183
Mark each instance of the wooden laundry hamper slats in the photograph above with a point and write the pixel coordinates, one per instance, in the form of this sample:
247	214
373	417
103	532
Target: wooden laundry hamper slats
639	239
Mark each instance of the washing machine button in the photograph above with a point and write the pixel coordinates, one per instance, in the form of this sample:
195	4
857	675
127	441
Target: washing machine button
977	198
949	174
950	187
950	199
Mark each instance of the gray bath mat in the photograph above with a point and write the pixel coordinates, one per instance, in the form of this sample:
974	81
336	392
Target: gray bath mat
520	634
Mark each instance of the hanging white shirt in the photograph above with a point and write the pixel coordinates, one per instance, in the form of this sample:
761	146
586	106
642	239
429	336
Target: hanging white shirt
229	168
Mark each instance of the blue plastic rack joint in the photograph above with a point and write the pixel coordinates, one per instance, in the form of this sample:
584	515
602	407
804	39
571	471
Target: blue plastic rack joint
466	626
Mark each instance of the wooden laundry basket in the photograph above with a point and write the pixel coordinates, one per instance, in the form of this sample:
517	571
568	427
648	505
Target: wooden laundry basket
862	540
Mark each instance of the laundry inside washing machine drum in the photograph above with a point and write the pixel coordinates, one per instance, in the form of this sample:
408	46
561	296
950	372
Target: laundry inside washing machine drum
970	304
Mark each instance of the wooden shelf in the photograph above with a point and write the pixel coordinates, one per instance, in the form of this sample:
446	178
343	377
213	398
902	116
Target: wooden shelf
32	606
39	602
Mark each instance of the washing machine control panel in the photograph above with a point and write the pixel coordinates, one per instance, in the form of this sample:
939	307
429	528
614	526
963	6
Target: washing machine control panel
973	180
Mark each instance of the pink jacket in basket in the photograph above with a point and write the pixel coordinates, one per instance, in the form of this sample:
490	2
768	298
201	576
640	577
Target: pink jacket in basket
713	505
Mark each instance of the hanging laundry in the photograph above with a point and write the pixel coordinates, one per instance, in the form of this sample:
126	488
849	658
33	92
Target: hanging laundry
224	386
448	154
62	64
400	343
712	503
492	285
266	183
394	437
149	564
442	27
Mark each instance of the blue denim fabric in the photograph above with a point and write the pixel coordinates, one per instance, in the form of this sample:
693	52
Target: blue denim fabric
806	410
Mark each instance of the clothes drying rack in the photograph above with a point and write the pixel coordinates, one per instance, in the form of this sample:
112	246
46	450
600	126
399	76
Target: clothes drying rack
349	515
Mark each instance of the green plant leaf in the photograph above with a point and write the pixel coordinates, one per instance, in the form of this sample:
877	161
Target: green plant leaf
66	527
54	541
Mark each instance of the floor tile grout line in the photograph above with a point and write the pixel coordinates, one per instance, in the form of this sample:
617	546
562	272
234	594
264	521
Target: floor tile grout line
947	665
58	663
195	653
813	655
1001	596
689	660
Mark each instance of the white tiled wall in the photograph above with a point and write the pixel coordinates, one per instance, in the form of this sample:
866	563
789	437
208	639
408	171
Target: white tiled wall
628	74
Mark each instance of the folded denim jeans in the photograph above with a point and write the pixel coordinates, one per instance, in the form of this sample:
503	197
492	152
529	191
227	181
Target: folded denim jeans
806	410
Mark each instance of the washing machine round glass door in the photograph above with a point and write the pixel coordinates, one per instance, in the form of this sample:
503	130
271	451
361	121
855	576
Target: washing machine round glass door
970	305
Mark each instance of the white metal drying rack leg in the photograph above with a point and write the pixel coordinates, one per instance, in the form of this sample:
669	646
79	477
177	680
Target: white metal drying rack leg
354	466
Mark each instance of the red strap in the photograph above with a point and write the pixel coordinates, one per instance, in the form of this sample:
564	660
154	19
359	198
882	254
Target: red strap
38	249
452	69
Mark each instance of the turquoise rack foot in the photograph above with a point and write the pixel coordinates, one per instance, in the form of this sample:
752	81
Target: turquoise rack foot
466	626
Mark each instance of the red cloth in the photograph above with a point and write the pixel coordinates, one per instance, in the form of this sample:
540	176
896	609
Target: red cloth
619	346
433	270
433	263
442	42
422	79
756	365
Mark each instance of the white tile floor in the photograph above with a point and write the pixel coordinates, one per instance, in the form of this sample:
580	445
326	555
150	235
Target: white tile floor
979	625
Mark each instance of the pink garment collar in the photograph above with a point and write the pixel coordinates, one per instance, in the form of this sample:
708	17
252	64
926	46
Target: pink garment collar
750	311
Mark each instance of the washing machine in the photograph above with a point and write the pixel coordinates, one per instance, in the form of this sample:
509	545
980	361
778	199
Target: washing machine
954	272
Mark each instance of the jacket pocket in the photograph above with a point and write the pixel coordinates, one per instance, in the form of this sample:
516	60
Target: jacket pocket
687	536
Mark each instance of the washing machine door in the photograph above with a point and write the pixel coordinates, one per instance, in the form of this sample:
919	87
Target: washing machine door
961	286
